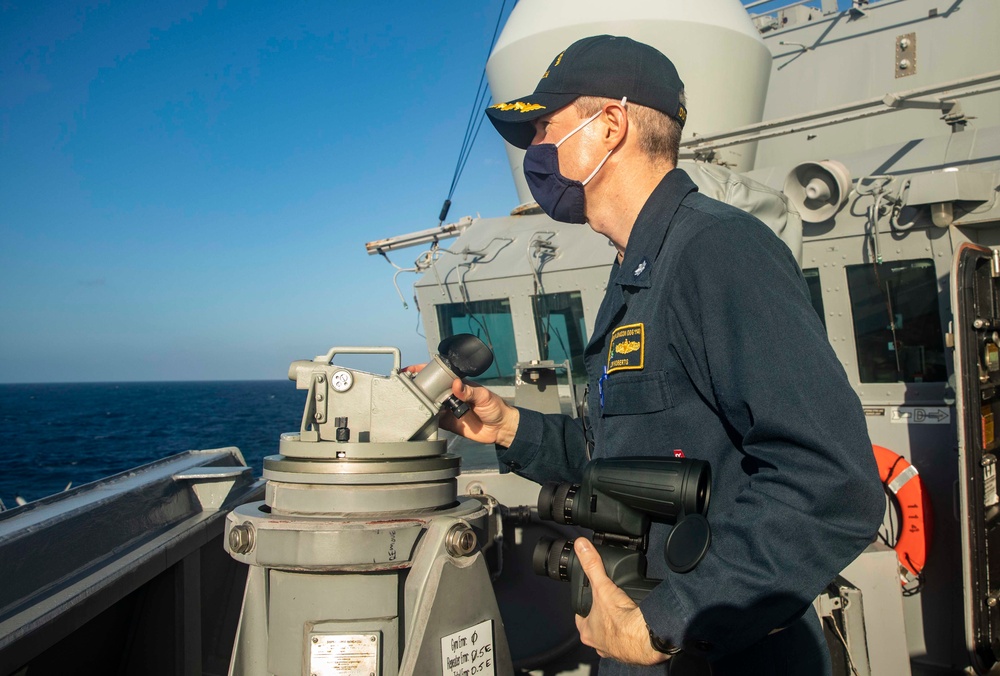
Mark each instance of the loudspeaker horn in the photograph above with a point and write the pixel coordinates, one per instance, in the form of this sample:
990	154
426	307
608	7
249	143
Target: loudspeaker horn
818	189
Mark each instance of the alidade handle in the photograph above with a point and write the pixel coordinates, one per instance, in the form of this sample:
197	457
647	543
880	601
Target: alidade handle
397	359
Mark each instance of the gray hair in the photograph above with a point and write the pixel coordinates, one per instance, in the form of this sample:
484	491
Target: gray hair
658	134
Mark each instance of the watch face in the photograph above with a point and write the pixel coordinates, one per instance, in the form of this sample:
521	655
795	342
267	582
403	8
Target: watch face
342	381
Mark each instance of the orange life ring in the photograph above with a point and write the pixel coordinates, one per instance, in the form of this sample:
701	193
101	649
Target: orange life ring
902	481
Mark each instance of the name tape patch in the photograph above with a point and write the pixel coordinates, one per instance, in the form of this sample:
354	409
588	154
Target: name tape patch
627	348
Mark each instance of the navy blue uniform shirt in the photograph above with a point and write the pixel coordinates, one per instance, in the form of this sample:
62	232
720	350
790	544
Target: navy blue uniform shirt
707	342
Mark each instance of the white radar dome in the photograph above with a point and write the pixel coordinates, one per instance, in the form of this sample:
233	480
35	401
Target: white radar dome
718	53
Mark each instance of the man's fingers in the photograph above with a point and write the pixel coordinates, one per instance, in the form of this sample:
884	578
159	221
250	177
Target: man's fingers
414	368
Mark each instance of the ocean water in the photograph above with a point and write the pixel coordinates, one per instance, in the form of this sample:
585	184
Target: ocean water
54	434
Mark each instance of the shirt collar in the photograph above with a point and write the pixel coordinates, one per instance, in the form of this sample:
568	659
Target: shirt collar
650	229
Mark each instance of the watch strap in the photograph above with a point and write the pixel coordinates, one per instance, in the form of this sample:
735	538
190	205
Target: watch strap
661	646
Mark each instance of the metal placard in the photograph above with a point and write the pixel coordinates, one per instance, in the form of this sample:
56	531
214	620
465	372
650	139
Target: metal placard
343	654
990	497
469	652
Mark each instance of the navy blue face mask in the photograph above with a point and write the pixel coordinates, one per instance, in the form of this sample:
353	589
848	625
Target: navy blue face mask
559	197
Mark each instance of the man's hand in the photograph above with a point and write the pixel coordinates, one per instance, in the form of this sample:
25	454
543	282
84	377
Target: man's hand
615	626
489	420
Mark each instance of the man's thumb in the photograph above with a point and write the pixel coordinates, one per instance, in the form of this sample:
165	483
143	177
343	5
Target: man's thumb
590	560
461	390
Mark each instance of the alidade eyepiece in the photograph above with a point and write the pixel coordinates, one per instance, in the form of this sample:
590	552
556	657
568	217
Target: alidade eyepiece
459	356
465	355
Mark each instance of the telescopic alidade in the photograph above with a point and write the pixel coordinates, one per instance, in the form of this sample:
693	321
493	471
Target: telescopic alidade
363	558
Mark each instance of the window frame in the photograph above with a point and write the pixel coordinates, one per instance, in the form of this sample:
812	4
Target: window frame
579	365
444	328
832	256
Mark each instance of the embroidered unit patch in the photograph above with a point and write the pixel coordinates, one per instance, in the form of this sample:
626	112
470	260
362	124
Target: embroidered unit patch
627	349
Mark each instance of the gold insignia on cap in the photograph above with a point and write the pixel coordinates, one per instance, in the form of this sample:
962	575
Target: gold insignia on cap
682	113
554	64
519	106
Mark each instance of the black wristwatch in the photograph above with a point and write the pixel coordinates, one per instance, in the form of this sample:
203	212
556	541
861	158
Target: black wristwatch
661	646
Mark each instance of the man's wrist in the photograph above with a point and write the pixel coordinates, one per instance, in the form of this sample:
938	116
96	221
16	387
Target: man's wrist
507	432
636	634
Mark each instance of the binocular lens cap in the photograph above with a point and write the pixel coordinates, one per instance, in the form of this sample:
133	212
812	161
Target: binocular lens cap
687	543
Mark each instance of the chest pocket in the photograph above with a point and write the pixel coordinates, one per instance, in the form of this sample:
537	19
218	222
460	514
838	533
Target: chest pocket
636	393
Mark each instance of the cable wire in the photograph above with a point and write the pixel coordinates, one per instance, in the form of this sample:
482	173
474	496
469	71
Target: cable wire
832	623
475	121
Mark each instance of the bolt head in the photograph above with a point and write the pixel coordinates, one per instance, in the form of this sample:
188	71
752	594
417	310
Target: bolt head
461	540
241	538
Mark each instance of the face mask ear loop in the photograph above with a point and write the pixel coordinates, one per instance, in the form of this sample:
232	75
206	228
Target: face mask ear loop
601	164
581	126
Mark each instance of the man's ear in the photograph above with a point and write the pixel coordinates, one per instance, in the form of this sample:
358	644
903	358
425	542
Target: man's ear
616	124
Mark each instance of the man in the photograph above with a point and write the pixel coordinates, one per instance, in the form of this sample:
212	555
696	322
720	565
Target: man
706	343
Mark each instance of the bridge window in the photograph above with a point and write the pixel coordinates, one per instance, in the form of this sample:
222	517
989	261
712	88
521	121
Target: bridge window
815	291
897	324
490	321
561	330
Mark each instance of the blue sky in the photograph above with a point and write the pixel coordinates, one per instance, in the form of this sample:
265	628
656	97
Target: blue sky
186	187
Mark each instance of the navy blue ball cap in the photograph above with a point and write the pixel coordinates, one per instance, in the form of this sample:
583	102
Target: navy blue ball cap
602	65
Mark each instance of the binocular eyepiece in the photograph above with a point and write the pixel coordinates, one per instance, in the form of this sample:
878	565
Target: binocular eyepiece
618	499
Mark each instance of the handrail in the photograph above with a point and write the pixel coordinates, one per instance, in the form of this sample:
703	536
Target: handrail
847	112
776	9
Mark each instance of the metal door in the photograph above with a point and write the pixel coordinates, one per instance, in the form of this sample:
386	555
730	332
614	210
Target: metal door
976	304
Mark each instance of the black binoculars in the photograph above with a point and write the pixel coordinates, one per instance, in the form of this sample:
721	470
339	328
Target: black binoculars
618	499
